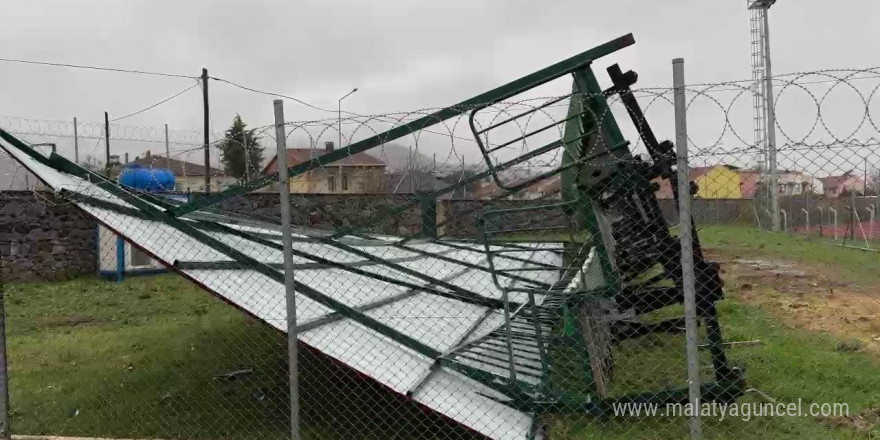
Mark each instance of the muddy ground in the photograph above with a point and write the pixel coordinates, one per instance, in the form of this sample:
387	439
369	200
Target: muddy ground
808	297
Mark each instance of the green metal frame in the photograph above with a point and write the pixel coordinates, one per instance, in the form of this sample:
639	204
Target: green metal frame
589	127
508	90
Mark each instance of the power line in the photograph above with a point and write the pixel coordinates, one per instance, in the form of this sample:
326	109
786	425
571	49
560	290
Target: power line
158	103
250	89
105	69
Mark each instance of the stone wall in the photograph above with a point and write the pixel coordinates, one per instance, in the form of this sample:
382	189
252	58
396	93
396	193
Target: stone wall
376	213
44	238
460	218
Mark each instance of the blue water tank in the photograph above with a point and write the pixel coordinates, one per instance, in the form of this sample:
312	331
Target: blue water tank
147	179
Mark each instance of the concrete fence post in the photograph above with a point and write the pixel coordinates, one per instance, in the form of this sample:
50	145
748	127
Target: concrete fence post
834	223
687	246
287	246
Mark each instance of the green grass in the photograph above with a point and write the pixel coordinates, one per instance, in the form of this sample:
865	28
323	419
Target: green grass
856	265
790	365
137	359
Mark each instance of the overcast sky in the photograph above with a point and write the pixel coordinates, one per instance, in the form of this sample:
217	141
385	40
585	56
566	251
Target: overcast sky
401	54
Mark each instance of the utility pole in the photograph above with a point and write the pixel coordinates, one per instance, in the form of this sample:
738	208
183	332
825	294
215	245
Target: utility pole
247	156
75	142
207	133
167	149
771	127
107	144
412	176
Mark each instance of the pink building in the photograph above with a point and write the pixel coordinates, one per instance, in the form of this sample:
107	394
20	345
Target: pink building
835	186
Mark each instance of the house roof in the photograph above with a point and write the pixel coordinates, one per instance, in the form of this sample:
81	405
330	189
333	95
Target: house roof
839	180
300	155
176	166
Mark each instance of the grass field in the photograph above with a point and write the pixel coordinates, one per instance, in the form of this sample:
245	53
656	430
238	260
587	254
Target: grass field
139	359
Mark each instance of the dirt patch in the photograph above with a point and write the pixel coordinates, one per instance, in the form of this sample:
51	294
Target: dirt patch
813	298
63	320
867	421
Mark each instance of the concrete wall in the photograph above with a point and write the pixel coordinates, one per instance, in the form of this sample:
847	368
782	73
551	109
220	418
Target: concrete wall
44	238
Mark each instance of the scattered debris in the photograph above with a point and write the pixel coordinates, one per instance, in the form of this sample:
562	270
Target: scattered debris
867	421
751	343
820	301
850	345
234	375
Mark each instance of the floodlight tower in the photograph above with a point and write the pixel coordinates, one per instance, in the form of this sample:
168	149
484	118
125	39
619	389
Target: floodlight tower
763	107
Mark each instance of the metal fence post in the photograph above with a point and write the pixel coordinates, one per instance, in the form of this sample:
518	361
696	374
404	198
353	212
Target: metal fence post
287	246
784	221
75	142
807	214
687	249
4	376
834	213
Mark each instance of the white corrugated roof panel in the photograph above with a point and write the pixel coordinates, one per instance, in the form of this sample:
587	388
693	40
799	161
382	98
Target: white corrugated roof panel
438	321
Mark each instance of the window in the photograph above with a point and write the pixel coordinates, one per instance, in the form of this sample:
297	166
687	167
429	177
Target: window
138	257
344	182
331	183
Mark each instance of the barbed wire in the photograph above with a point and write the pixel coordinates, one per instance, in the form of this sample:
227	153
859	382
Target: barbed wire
809	107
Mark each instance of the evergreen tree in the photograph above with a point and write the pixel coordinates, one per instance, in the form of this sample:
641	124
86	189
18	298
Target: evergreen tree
232	151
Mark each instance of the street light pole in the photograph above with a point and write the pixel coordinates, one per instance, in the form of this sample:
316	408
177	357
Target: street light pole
339	113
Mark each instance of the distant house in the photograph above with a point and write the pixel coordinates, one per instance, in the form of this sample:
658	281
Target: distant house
750	183
713	182
188	176
414	182
731	182
356	173
835	186
549	188
795	183
789	183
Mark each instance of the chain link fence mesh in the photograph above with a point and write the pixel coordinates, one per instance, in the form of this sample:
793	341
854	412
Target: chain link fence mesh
511	271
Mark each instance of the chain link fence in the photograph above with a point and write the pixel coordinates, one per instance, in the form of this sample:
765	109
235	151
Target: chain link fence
533	263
